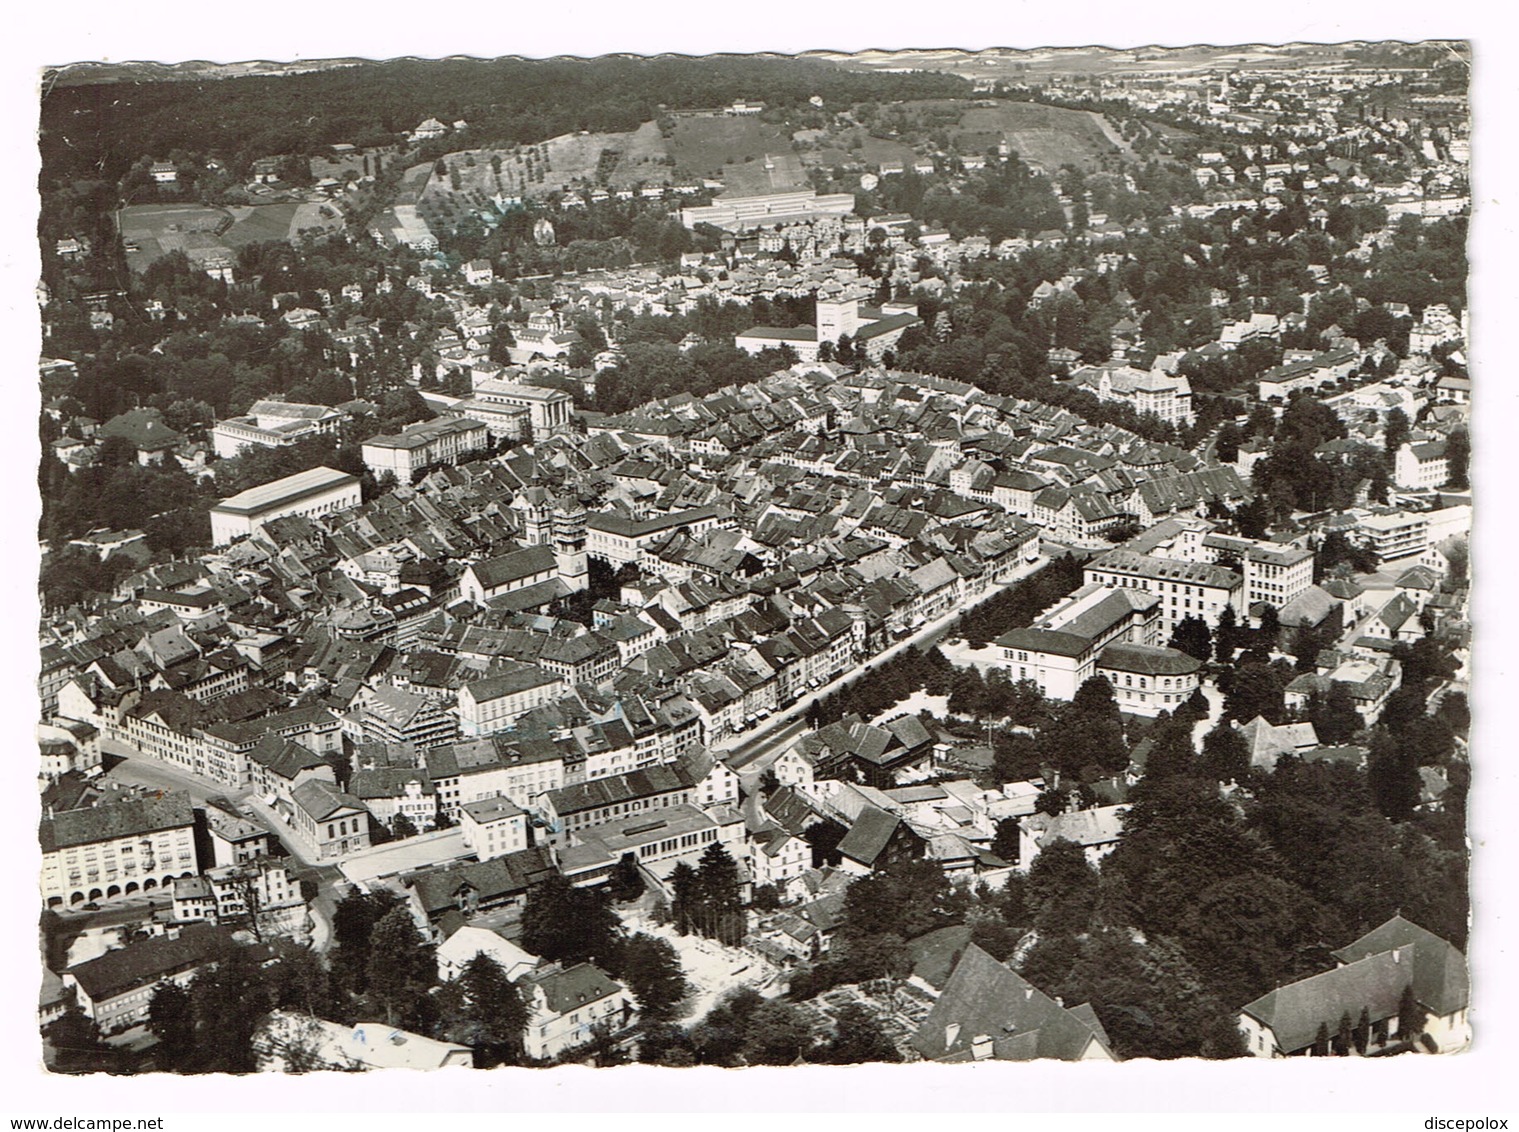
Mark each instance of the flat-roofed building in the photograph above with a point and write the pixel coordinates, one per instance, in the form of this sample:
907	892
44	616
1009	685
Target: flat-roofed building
423	445
290	1042
494	827
274	424
318	491
1394	536
741	213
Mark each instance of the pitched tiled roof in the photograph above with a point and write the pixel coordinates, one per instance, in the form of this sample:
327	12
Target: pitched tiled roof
496	879
1374	983
985	999
143	963
1147	659
112	820
1441	979
571	989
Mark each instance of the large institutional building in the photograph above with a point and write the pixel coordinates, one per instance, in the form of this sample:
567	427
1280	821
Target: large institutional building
738	214
117	848
873	330
274	424
1160	394
423	445
511	410
319	491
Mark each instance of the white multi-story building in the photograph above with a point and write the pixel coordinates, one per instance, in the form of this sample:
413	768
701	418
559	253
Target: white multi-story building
1060	651
1273	574
567	1007
1421	466
274	424
1160	394
476	769
319	491
1185	589
619	540
549	410
117	849
494	827
495	703
1397	535
425	444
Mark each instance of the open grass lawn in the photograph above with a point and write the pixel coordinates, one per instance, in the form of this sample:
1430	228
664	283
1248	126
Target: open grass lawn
1047	136
878	151
702	146
260	223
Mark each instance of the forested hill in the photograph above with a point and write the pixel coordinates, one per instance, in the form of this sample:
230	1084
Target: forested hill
100	129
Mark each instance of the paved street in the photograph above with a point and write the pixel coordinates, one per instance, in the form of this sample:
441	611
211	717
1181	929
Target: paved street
138	770
750	747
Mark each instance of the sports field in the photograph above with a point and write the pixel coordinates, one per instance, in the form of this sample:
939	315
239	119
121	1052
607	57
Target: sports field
152	231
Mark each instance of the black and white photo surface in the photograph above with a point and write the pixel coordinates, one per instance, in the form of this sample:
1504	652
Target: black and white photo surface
754	560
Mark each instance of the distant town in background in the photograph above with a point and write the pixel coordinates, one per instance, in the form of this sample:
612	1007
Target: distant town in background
755	561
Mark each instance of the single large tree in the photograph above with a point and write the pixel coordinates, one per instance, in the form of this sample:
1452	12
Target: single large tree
1062	888
171	1019
652	971
858	1037
572	925
1193	637
1226	756
777	1033
1458	455
229	999
493	1011
402	964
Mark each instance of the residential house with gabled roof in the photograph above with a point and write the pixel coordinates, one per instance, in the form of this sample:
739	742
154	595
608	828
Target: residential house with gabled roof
145	430
468	941
470	888
397	791
1266	742
987	1011
876	838
276	766
854	750
1096	830
1375	973
567	1007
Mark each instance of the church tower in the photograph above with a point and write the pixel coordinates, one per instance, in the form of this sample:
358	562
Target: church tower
569	544
536	507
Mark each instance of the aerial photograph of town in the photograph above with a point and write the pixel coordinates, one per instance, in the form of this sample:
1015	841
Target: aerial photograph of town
753	560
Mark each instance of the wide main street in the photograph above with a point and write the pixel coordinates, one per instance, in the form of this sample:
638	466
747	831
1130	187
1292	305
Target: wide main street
748	748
